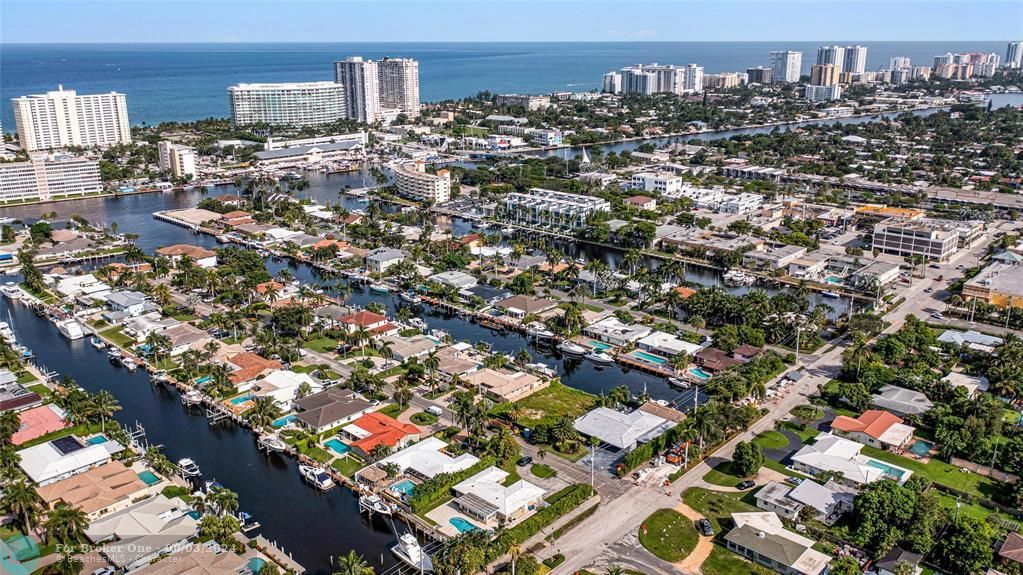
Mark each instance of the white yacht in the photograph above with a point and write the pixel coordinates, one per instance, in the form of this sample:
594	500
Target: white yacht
373	503
410	297
160	376
316	477
571	348
538	331
410	553
129	363
114	355
11	290
542	369
738	278
418	323
600	358
71	329
98	343
188	468
191	398
272	443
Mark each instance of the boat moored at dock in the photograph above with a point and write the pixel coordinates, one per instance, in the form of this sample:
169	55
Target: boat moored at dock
316	477
411	553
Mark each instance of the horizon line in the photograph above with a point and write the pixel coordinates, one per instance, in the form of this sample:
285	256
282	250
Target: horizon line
634	41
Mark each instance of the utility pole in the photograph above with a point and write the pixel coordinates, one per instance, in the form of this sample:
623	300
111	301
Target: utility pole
798	330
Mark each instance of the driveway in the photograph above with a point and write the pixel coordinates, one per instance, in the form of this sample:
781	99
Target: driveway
780	454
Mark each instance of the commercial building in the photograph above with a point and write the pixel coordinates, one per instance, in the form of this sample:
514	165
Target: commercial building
934	239
357	137
62	118
759	75
371	88
527	101
547	208
772	259
46	177
177	159
541	136
1014	55
822	93
415	183
786	66
656	79
999	284
666	183
761	538
823	75
348	150
287	104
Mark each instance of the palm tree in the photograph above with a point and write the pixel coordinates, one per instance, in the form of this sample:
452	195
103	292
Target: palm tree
21	499
263	412
224	500
614	570
352	564
66	524
105	405
515	551
10	422
68	564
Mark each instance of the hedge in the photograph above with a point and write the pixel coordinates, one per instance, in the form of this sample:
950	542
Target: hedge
558	504
431	492
644	452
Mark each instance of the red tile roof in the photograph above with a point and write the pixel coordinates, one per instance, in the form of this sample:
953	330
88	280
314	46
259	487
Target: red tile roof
250	366
383	429
364	318
873	422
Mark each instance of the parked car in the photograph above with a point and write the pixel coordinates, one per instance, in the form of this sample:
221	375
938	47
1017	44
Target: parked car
705	527
748	484
524	461
794	480
434	410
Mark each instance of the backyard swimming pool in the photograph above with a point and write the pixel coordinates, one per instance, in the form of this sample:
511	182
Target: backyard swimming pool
649	358
698	373
405	487
256	564
337	446
241	399
599	345
921	448
461	525
284	420
889	470
834	280
97	440
148	477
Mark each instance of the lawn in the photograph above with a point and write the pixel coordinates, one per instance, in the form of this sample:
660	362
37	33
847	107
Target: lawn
40	389
321	344
717	506
807	434
542	471
771	440
346	466
940	472
26	377
721	475
548	405
724	562
771	464
513	473
393	410
114	334
669	535
423	418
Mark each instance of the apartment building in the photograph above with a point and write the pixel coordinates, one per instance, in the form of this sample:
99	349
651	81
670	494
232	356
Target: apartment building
547	208
1014	55
63	118
822	93
542	136
936	240
527	101
287	104
415	183
665	183
177	159
759	75
655	79
823	75
723	81
398	85
46	177
375	89
786	66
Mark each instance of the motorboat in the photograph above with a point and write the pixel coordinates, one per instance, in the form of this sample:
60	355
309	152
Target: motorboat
410	553
571	348
272	443
71	329
439	334
380	289
11	290
738	278
188	468
246	522
418	323
375	504
410	297
114	355
542	369
831	295
316	477
98	343
191	397
678	382
538	331
599	358
129	363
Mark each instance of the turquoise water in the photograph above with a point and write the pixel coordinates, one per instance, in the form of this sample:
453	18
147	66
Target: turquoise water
256	564
195	515
241	399
99	439
599	345
202	380
887	469
405	487
649	358
284	420
921	447
833	280
699	373
461	525
148	477
337	446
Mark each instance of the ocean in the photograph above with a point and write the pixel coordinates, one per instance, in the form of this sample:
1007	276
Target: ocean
189	81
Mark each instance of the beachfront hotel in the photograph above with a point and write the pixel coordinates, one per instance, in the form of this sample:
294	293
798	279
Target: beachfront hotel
48	177
63	118
287	104
547	208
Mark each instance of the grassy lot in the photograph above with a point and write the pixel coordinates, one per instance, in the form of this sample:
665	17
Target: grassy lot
185	317
423	418
669	535
550	404
321	345
724	562
513	473
782	469
722	475
43	391
771	440
393	410
542	471
114	334
26	377
717	506
807	434
315	452
346	466
939	472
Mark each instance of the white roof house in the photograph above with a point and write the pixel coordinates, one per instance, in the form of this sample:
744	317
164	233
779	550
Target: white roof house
455	279
86	284
971	339
901	401
667	344
837	454
282	385
63	457
614	331
426	460
971	383
486	496
622	430
132	537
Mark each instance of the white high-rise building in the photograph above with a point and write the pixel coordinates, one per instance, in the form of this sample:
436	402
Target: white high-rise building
177	159
855	59
786	66
398	83
899	63
832	55
1014	55
46	177
823	93
658	79
359	79
612	83
286	104
62	118
693	82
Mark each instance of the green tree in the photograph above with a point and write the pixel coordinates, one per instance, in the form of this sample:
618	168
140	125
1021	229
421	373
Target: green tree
66	524
845	566
747	459
352	564
967	546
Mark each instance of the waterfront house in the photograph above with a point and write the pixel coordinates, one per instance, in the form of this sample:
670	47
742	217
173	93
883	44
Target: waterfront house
714	359
330	315
832	453
615	332
139	327
375	323
202	559
201	257
371	430
14	395
108	488
127	302
39	421
134	536
667	345
519	306
427	459
247	366
455	279
185	336
404	348
86	284
761	537
379	260
485	497
330	408
902	401
488	294
63	457
876	428
504	385
623	431
282	386
456	360
829	501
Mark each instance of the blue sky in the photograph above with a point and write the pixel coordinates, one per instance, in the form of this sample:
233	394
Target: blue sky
505	20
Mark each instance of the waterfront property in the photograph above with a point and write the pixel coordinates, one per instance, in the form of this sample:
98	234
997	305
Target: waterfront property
505	385
330	408
486	498
761	538
200	256
613	331
372	430
62	119
38	421
550	209
48	176
427	458
63	457
415	183
287	104
133	536
108	488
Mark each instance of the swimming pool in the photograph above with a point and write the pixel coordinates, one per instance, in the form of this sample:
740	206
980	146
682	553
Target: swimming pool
834	280
921	448
461	525
405	487
281	422
649	358
97	440
256	564
894	472
337	446
148	477
698	373
202	380
241	399
599	345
